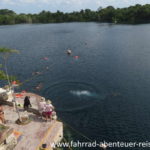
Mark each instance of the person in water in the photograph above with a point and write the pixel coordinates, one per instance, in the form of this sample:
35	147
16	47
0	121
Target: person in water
69	51
2	118
27	103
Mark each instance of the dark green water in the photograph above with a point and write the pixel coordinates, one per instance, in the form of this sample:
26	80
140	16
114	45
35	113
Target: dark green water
105	93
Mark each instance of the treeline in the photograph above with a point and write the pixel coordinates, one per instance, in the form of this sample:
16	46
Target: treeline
131	15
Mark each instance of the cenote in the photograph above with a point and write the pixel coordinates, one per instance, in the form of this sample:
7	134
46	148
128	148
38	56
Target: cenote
104	94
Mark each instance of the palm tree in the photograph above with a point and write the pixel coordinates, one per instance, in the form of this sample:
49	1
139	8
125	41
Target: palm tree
5	54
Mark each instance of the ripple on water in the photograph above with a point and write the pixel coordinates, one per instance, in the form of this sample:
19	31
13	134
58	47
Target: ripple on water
73	96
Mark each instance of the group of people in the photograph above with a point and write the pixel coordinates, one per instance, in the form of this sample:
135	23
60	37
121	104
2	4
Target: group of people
46	108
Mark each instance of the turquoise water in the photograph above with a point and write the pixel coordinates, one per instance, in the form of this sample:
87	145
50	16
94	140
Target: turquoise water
103	94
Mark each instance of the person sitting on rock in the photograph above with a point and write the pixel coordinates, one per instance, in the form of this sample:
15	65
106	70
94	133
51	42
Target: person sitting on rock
27	103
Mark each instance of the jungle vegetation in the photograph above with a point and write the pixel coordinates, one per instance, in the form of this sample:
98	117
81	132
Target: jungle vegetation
131	15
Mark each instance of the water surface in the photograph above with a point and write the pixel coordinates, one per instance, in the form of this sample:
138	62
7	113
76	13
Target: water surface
104	94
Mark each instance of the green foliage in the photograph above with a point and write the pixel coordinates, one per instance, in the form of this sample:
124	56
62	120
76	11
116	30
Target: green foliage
132	14
3	75
5	53
6	12
7	50
107	14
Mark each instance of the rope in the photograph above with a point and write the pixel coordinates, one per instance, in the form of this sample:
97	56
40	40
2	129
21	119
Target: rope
67	142
78	132
31	78
34	76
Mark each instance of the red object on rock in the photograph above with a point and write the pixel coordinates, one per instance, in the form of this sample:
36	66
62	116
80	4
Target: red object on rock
18	95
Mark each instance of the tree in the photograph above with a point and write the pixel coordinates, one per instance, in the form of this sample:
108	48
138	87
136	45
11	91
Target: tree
131	15
107	14
5	54
7	12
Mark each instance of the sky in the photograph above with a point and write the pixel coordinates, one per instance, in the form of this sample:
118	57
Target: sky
35	6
